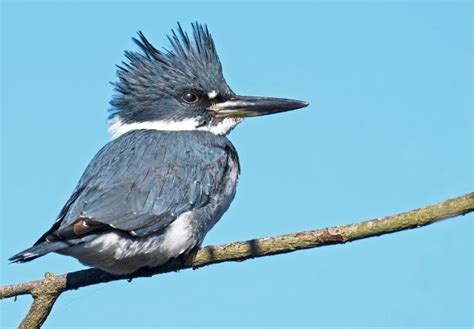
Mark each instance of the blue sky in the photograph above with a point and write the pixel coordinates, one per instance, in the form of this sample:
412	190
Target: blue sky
389	129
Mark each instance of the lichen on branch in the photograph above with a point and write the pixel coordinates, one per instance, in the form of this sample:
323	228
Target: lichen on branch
45	292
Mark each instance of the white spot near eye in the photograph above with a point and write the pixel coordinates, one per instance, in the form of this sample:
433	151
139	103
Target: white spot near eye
212	94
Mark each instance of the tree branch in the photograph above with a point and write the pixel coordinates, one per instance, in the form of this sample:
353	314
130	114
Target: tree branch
46	291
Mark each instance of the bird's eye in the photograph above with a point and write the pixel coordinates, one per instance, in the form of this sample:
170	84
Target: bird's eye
190	97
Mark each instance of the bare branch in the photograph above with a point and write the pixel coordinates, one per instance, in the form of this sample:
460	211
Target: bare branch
44	297
45	292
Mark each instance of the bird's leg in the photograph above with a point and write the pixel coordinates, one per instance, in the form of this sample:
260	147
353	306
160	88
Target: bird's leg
187	258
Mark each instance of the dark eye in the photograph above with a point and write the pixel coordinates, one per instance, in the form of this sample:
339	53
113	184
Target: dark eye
190	97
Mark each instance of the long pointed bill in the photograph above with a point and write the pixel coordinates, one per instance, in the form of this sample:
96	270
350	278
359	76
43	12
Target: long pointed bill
247	106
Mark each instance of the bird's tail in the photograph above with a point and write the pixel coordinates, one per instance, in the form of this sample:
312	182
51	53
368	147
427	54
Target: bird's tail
39	250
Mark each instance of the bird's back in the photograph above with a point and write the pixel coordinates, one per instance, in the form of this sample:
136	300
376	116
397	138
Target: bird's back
153	192
148	172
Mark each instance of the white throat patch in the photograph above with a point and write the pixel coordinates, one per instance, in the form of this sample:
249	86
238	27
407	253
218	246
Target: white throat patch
118	128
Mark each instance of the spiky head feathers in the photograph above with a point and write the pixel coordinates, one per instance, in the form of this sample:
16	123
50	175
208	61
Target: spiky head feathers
151	81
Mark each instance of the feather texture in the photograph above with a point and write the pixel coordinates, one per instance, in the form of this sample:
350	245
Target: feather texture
137	186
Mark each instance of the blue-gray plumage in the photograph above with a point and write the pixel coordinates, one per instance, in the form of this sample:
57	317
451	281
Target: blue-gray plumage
169	174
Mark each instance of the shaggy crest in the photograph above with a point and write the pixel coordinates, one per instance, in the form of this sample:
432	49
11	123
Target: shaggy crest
151	74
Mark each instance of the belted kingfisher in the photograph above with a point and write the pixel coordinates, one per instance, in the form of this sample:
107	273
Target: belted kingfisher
169	173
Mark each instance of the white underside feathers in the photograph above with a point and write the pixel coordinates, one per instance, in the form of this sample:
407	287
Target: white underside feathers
118	253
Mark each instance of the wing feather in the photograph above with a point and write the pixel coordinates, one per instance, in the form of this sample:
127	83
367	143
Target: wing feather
143	180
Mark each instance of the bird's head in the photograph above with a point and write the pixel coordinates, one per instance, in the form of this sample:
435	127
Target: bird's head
182	89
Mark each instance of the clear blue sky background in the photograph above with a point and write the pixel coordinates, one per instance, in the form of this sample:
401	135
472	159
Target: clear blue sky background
389	129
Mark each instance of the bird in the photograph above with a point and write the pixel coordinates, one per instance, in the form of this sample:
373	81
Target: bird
169	172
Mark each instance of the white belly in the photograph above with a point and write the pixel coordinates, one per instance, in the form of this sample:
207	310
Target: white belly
119	253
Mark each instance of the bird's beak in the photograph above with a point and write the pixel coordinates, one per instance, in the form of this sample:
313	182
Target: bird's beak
251	106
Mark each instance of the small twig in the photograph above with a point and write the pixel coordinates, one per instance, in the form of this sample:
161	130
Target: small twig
45	292
44	297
